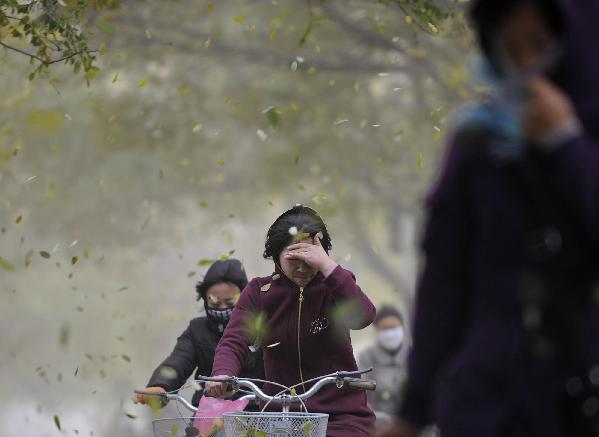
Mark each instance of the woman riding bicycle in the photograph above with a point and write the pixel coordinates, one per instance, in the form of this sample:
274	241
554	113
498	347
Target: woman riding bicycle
309	305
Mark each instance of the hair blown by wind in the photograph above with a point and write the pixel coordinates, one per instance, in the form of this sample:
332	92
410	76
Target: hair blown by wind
293	223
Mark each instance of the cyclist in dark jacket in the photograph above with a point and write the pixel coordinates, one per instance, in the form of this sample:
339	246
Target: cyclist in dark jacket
220	290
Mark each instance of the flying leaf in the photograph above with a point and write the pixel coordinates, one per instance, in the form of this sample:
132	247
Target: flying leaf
57	422
300	236
239	19
28	258
307	427
44	254
126	358
19	219
44	121
206	262
265	287
6	265
273	115
65	334
155	404
262	135
74	260
130	416
104	26
167	372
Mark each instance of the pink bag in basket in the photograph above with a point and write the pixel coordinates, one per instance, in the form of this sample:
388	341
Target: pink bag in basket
208	419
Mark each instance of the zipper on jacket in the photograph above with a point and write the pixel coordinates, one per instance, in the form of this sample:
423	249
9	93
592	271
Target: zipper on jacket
299	349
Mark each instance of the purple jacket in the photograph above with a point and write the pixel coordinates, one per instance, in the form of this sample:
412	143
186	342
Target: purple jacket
307	336
470	370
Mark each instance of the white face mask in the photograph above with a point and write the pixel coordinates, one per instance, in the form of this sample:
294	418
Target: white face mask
390	339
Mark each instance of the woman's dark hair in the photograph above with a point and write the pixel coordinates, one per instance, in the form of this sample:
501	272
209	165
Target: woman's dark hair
488	15
300	218
230	270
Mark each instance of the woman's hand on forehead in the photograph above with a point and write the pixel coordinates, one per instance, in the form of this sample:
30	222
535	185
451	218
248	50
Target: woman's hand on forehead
312	254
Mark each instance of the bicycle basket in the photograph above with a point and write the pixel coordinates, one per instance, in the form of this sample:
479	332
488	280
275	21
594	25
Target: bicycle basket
184	427
249	424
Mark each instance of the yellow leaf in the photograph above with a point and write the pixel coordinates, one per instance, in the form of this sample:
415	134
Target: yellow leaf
272	36
143	83
433	28
207	43
44	121
221	162
408	19
239	19
6	265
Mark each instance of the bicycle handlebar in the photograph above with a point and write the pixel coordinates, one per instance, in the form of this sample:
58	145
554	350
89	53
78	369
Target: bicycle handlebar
165	397
340	379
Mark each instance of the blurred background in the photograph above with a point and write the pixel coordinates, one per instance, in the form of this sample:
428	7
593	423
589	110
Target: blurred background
203	122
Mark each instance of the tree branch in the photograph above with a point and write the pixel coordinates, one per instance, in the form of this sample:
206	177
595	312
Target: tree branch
41	60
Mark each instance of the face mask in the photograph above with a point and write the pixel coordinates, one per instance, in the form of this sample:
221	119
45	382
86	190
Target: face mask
221	316
390	339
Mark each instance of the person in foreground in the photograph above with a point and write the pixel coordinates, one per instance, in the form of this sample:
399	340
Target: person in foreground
220	290
309	304
507	313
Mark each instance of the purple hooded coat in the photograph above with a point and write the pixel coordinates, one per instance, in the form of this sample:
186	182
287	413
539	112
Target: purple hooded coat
470	369
307	336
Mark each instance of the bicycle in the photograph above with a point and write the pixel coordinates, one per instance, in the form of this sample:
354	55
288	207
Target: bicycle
271	424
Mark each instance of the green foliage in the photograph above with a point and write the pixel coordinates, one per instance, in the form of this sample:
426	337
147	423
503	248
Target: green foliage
52	31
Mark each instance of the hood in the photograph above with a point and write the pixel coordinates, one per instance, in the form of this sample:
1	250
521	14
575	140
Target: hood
577	70
230	270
